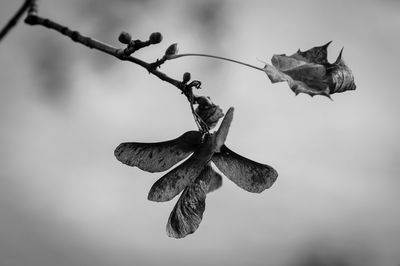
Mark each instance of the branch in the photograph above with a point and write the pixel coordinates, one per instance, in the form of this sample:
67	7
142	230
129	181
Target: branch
124	54
100	46
14	20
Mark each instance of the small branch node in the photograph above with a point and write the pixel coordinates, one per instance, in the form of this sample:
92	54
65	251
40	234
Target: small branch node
75	36
32	20
135	45
157	63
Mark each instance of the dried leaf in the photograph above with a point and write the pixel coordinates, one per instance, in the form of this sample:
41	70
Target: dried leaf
341	75
172	183
247	174
159	156
310	72
209	112
188	212
317	55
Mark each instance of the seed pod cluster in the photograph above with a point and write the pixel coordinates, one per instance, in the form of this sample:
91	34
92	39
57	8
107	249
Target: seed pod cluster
195	177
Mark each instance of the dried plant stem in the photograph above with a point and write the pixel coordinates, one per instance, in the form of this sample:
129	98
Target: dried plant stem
14	20
216	57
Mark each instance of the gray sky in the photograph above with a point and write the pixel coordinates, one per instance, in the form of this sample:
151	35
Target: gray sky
65	200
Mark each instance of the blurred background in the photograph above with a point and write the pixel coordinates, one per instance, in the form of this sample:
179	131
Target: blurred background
65	199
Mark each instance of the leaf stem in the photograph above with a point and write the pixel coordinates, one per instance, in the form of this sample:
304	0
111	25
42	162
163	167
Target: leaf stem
216	57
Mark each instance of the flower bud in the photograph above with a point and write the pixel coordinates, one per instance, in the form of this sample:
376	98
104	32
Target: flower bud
125	38
172	49
186	77
155	38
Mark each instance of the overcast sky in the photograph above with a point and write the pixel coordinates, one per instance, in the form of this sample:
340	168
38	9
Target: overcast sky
65	199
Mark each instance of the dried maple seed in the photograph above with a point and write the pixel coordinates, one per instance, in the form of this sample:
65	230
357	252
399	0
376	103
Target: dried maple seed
188	212
195	176
158	156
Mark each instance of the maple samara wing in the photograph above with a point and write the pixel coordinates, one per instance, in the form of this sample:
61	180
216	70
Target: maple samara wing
247	174
158	156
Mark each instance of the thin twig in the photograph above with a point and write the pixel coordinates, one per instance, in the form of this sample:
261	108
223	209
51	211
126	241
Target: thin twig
101	46
119	53
14	20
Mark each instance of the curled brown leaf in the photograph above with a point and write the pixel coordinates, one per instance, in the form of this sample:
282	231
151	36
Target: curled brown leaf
310	72
209	112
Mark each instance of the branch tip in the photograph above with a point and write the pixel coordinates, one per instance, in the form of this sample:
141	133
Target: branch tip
124	54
